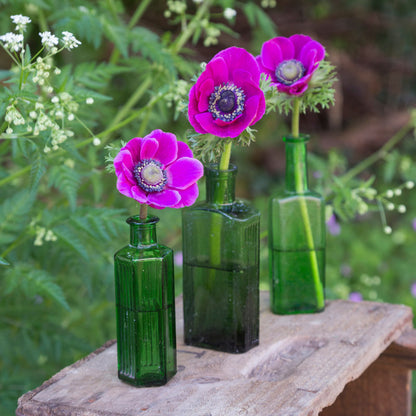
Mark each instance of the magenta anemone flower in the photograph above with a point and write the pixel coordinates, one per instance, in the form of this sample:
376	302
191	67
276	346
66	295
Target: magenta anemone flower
227	98
159	171
291	62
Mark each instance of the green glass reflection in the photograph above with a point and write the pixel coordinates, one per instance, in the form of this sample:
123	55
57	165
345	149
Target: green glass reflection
145	307
221	268
297	239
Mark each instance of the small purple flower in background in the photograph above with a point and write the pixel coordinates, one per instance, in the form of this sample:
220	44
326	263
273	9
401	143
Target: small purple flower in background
291	62
159	171
178	258
414	224
355	297
413	289
227	98
333	225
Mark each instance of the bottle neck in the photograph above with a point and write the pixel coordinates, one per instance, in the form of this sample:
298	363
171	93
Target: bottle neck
296	177
142	232
220	184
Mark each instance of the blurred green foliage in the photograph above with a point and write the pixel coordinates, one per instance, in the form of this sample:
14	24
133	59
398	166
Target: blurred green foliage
61	217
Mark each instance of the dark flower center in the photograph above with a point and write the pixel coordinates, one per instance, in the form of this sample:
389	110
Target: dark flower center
290	71
150	176
226	102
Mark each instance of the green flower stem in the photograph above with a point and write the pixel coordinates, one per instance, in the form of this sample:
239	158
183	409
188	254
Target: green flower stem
104	135
295	117
215	242
190	29
143	211
225	156
379	154
304	210
140	91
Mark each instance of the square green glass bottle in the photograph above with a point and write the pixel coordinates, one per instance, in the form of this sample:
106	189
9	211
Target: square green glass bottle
221	268
297	236
145	307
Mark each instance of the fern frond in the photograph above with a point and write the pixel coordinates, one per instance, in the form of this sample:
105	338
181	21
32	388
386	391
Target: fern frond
37	171
33	282
14	215
99	223
67	181
72	239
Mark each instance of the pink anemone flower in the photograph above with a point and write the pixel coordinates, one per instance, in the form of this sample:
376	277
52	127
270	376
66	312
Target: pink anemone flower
227	98
291	62
158	170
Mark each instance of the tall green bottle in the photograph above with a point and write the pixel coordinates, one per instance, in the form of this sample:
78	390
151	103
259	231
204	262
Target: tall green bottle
145	307
221	268
297	238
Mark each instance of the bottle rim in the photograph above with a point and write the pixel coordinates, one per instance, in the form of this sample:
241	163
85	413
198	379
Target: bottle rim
302	138
136	220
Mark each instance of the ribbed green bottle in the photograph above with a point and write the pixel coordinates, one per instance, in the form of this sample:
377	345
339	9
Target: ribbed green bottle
297	238
221	268
145	307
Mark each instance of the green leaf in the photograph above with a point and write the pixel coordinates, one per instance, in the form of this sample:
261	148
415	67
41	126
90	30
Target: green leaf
118	35
71	238
67	181
37	171
148	44
100	223
33	282
14	215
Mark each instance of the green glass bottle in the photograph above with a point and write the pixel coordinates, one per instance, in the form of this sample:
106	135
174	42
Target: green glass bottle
297	238
221	268
145	307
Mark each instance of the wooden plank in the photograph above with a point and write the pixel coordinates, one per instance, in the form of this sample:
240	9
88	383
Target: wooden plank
302	364
402	352
382	390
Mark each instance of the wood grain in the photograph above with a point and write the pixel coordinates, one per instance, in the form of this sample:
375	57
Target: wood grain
301	366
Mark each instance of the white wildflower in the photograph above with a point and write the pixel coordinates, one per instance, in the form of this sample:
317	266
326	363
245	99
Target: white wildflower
70	41
96	141
20	21
12	41
71	117
48	39
410	184
387	229
390	206
401	209
397	192
389	193
50	236
57	71
89	100
40	233
55	100
229	13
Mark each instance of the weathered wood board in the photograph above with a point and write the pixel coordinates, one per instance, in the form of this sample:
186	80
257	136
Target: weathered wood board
301	366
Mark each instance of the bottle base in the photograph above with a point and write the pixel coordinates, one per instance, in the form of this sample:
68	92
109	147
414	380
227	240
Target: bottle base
151	380
297	310
230	348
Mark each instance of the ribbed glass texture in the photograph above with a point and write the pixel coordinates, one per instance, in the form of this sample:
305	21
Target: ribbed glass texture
145	307
221	268
297	239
